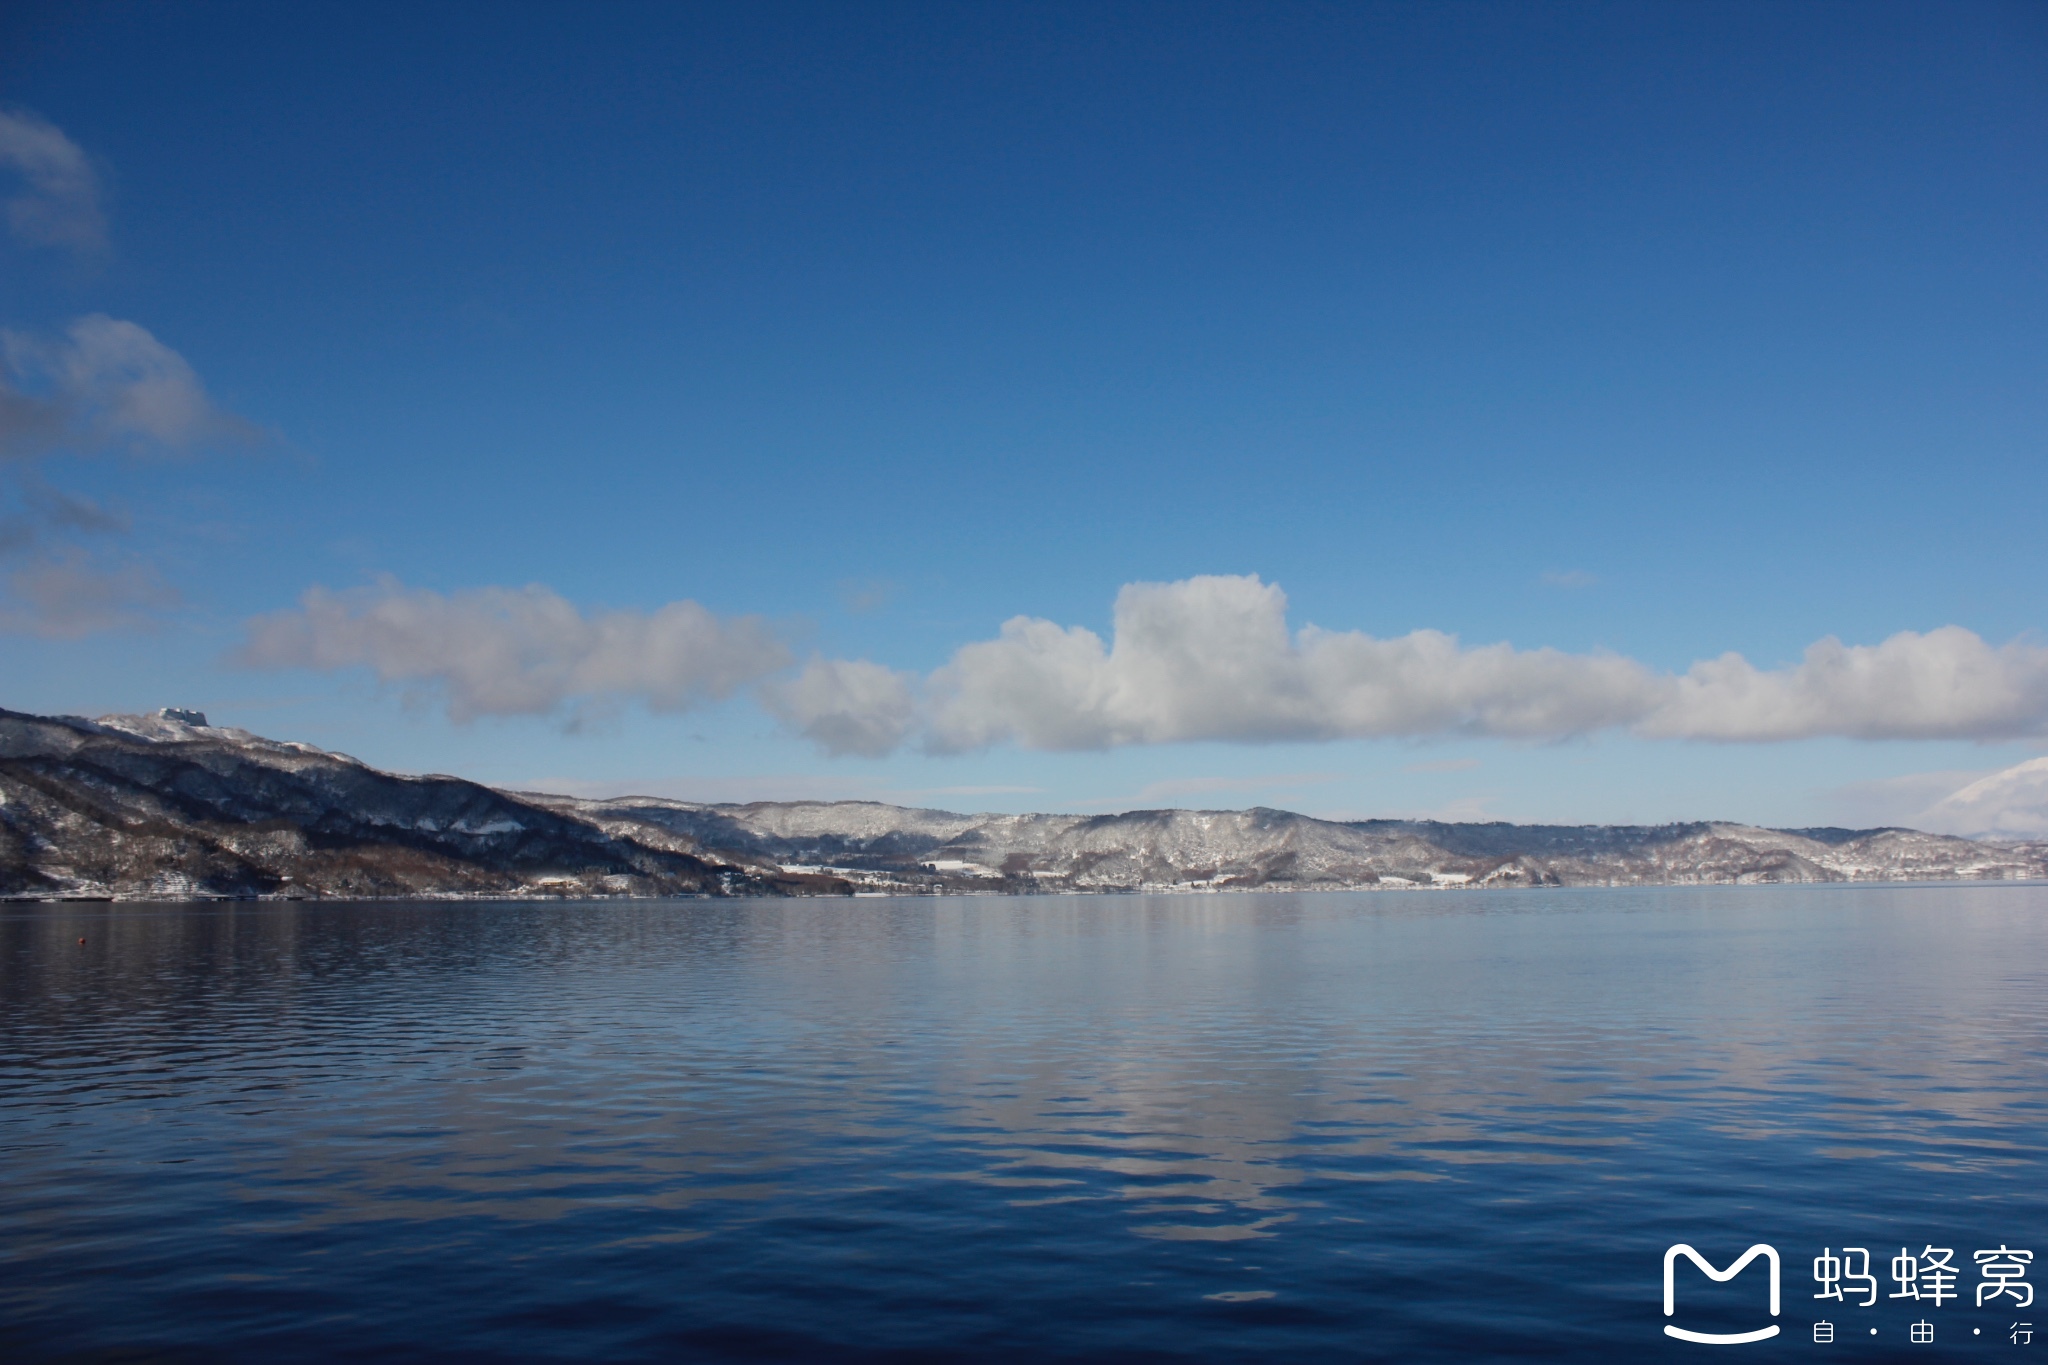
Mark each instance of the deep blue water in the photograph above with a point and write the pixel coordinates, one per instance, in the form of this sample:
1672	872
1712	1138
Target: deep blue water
1401	1126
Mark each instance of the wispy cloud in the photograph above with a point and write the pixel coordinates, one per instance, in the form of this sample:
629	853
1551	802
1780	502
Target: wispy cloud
33	510
65	593
105	384
57	202
1569	578
862	596
102	385
517	651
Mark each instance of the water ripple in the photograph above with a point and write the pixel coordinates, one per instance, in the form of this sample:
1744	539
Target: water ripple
1209	1128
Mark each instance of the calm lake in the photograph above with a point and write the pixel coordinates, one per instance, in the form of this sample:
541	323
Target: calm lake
1413	1127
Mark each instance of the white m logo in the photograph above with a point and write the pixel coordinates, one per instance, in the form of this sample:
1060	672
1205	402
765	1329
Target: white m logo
1671	1255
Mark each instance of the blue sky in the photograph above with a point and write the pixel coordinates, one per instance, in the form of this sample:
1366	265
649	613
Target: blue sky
1642	333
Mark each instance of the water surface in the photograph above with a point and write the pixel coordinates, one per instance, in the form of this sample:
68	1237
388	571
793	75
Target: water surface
1394	1126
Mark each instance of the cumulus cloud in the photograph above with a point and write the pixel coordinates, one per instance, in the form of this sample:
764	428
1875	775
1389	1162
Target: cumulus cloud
1204	659
105	384
58	201
517	651
1945	684
56	583
1213	658
846	706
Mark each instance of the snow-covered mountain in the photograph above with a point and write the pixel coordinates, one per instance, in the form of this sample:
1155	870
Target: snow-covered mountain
889	847
169	806
2011	804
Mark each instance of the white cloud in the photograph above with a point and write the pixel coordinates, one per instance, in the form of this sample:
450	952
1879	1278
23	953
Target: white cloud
1945	684
846	706
517	651
1203	659
106	384
2012	804
1213	658
58	203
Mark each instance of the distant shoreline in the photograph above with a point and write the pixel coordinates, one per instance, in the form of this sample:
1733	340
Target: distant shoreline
166	808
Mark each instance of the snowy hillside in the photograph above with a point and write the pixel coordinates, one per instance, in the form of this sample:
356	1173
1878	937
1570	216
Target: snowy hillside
169	806
889	847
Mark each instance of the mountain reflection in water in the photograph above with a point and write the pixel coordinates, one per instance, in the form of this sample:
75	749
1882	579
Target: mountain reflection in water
1404	1126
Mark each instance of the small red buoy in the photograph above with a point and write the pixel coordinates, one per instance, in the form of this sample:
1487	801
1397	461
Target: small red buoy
81	940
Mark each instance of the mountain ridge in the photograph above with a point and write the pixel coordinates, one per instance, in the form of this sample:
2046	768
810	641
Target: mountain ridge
1266	848
167	806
